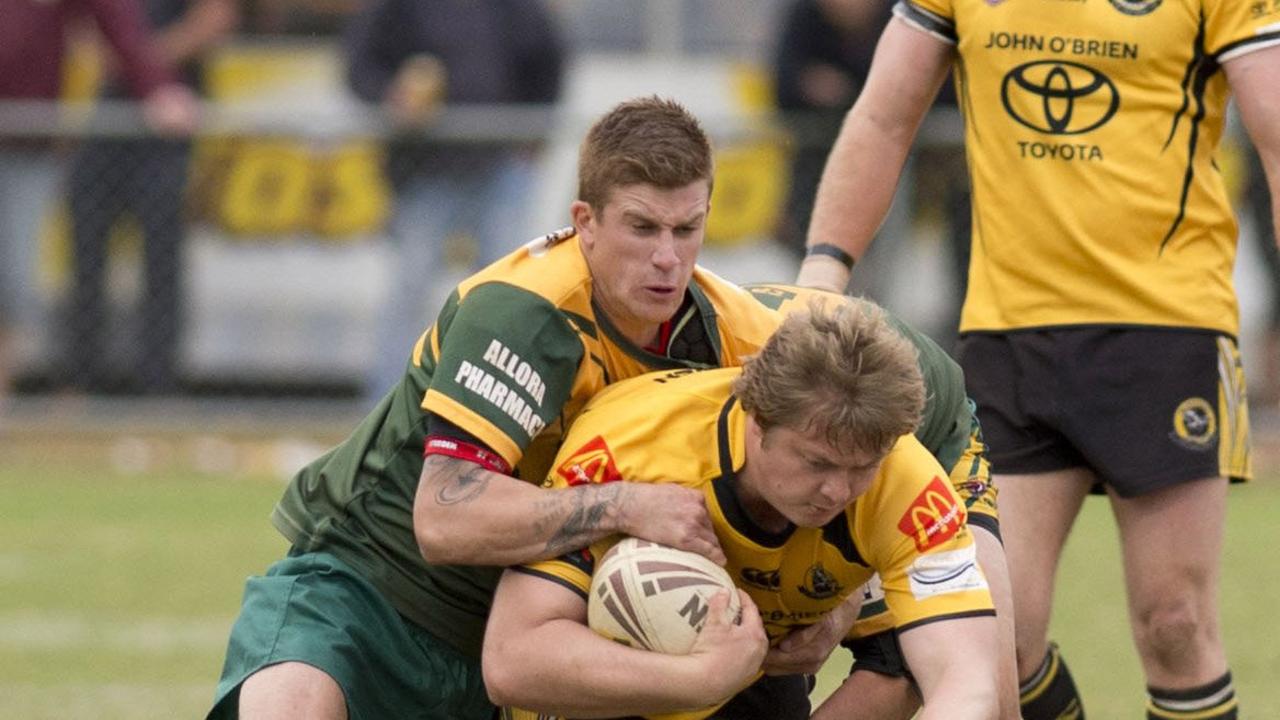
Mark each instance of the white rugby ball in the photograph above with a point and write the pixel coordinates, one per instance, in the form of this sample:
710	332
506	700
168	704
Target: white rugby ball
655	597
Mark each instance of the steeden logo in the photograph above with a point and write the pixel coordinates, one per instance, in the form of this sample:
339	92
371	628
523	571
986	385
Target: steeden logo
591	463
934	517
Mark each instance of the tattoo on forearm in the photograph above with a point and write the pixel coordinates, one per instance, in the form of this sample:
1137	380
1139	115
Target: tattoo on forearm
458	484
590	507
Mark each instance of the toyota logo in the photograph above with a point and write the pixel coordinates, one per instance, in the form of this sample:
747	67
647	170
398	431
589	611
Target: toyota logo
1057	97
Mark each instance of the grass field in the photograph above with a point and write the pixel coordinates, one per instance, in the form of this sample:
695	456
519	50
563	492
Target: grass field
118	586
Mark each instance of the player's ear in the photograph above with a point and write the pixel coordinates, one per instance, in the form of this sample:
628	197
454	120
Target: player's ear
583	219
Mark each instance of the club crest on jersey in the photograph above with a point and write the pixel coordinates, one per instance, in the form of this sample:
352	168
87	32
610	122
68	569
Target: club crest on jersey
819	584
1136	7
934	517
1194	424
591	463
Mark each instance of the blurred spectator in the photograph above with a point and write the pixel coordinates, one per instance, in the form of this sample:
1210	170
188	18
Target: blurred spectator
1258	202
413	58
298	17
145	177
32	47
823	56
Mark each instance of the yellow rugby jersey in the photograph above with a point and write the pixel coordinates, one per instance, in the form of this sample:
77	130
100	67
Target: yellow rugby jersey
686	427
1090	130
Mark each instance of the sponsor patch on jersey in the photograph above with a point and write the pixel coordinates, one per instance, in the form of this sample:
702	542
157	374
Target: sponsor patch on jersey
591	463
873	602
934	517
1194	424
1059	97
950	571
764	579
1136	7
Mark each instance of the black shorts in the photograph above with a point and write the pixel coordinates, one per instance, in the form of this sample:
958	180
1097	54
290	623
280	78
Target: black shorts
781	697
1143	408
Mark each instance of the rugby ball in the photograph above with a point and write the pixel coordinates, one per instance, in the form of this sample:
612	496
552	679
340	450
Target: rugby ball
655	597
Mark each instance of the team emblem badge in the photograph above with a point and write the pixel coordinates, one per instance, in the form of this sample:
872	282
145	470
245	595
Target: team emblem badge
1136	7
819	584
1194	424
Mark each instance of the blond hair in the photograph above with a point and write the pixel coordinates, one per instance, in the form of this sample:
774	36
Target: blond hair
840	369
646	140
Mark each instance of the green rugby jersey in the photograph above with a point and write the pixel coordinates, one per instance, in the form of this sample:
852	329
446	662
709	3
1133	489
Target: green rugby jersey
514	355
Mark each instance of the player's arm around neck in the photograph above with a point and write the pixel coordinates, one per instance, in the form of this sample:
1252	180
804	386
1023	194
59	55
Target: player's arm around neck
862	170
540	655
1255	80
955	664
465	514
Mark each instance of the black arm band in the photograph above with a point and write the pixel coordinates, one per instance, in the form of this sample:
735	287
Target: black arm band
831	251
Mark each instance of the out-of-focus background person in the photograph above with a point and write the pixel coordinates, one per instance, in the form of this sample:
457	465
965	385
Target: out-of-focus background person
33	45
414	59
822	58
144	179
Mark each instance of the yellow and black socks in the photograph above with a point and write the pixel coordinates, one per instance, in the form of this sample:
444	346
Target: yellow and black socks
1214	701
1050	693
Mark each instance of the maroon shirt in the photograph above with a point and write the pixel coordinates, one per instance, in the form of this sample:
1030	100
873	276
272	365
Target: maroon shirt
33	44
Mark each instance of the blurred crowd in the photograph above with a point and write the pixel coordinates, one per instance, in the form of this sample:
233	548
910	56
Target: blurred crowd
407	60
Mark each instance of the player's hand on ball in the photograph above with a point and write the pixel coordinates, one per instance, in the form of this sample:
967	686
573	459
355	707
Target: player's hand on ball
731	646
804	650
671	515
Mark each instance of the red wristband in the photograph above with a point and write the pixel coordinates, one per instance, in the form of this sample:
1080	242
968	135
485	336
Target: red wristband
454	448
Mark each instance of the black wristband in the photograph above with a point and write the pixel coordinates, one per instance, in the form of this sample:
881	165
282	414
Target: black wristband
831	251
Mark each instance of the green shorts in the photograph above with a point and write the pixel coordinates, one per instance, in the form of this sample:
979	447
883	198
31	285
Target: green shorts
313	608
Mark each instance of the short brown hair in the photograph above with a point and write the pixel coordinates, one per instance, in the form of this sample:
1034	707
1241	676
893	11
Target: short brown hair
842	369
647	140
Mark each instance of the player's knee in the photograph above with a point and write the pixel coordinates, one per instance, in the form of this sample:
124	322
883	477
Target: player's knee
1171	632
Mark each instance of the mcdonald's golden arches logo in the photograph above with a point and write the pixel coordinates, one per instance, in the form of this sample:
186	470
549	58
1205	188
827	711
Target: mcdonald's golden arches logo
934	517
591	463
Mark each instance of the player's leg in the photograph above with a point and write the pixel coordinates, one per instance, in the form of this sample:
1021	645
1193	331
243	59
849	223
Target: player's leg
314	628
291	690
1162	414
1016	380
1172	543
1036	514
